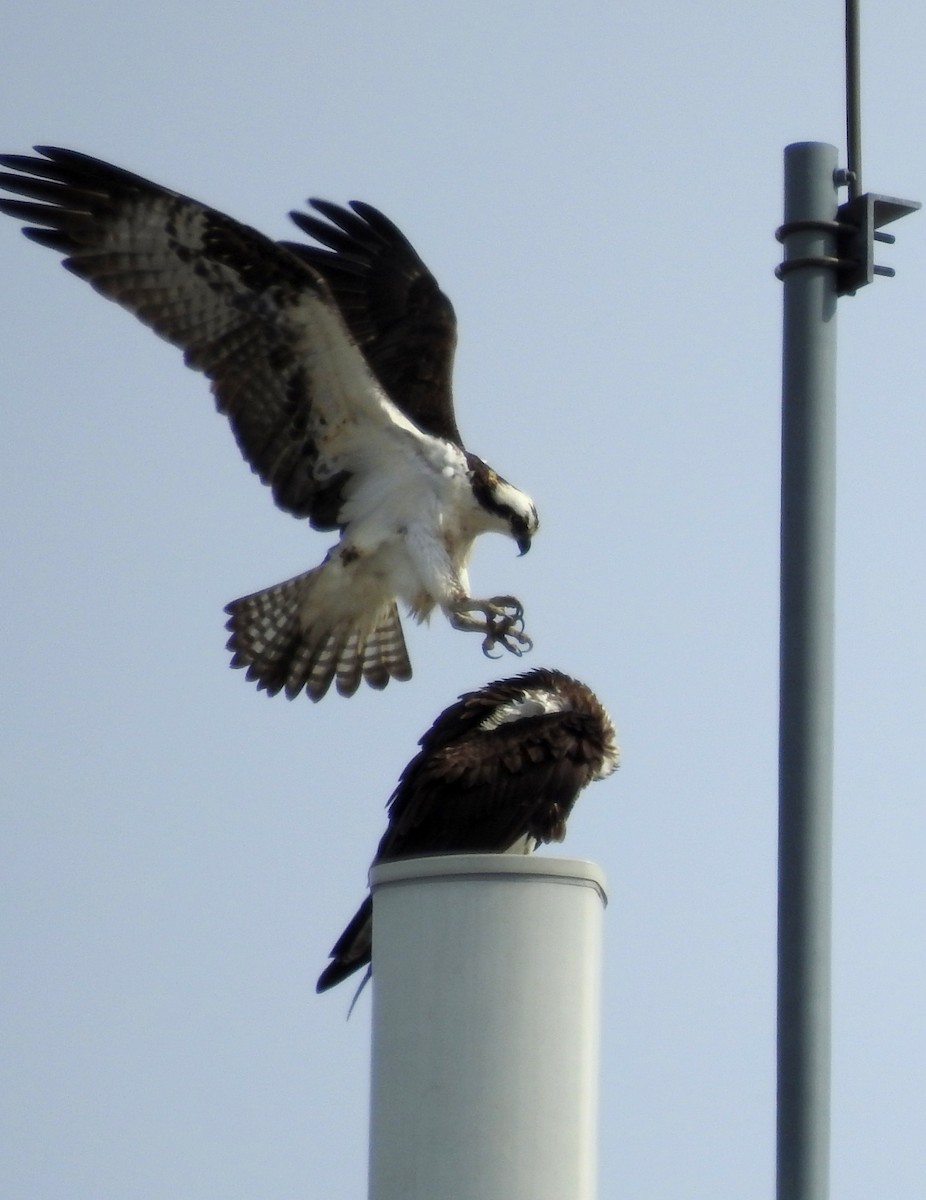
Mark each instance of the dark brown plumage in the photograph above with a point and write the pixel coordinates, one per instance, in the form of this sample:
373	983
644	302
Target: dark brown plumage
402	321
498	771
119	232
333	365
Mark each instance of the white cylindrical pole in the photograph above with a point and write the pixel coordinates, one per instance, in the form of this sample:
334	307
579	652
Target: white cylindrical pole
486	1012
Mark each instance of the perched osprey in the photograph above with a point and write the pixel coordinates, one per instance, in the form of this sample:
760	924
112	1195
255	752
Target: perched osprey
498	771
333	364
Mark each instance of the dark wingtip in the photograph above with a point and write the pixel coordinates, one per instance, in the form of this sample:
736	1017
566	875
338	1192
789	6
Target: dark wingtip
323	986
336	972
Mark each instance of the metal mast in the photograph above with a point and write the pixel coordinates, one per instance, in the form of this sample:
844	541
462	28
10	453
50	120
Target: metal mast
829	252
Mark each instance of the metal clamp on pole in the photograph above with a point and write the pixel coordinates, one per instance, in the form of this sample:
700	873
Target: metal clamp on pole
859	220
829	252
856	230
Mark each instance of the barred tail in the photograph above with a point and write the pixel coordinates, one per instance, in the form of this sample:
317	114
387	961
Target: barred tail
286	646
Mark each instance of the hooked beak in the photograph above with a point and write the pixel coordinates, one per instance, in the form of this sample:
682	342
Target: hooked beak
524	544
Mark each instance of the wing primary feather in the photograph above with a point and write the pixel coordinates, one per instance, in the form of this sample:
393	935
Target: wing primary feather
315	354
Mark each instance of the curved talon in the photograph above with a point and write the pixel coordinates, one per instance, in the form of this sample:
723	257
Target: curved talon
502	624
525	647
523	643
510	634
489	642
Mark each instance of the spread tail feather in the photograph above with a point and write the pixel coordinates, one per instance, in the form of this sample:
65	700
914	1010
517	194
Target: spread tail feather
284	651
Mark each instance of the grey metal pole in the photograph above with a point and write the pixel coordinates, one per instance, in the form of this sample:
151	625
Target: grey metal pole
806	671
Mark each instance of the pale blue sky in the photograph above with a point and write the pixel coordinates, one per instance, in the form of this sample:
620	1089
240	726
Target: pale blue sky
596	186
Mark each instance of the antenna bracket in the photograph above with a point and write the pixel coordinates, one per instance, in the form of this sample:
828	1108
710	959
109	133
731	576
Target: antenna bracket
856	227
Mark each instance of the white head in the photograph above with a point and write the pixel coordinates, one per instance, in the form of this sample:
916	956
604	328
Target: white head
514	508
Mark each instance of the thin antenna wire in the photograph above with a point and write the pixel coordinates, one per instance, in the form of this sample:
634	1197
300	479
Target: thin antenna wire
853	102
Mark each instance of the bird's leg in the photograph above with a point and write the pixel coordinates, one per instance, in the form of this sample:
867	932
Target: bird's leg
502	622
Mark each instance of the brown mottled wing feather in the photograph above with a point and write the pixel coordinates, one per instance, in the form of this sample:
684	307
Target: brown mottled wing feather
396	312
229	297
479	796
472	708
472	789
482	794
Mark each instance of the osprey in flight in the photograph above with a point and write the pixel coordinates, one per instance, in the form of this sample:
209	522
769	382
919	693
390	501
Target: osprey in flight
498	771
332	362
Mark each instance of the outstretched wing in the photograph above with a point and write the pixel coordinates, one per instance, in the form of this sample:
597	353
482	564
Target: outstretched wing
257	320
392	304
